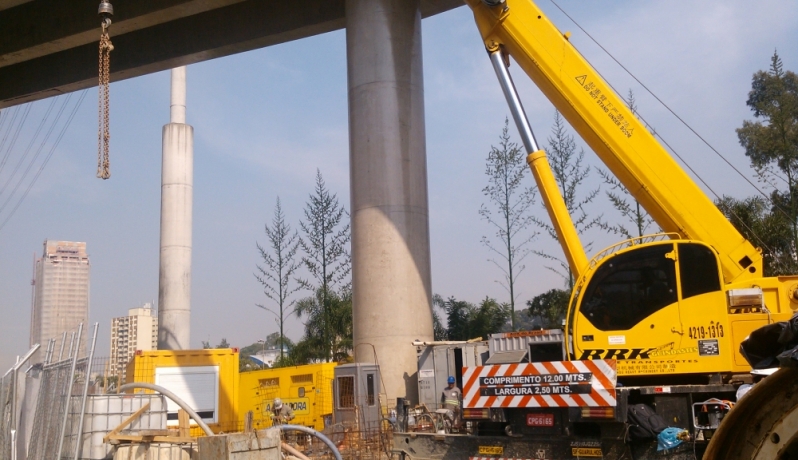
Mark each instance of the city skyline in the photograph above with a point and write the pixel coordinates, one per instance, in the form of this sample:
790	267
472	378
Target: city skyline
267	119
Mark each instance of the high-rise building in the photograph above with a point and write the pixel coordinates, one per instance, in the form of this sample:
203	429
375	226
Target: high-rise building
60	294
136	331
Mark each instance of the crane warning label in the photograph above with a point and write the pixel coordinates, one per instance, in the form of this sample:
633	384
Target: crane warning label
606	106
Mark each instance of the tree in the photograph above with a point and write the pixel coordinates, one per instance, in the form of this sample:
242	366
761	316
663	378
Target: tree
280	265
506	168
765	227
328	327
438	329
223	344
570	174
549	308
467	321
771	143
621	199
326	258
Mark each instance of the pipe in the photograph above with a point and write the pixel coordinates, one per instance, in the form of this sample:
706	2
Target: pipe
173	397
315	433
293	451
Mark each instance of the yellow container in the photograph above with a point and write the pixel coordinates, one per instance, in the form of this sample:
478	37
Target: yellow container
207	379
306	389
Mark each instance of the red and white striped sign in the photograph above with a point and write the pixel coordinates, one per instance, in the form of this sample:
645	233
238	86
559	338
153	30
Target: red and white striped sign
547	384
494	458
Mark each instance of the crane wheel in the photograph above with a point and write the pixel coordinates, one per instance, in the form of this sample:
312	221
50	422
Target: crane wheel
763	425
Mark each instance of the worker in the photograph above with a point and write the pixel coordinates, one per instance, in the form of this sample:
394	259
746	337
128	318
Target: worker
281	413
451	396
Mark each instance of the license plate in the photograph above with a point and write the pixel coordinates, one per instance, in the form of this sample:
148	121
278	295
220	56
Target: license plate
586	451
539	419
491	450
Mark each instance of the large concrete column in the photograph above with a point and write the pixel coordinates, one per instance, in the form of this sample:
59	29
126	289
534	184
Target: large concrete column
387	155
177	177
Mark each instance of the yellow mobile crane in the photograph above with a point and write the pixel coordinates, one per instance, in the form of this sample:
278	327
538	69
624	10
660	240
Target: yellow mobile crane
667	311
675	304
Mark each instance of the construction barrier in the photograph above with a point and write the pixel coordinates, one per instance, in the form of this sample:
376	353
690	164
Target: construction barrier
544	384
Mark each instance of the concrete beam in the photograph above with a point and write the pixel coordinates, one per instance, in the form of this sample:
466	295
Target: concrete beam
49	47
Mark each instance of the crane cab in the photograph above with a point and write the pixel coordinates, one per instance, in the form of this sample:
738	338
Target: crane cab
657	307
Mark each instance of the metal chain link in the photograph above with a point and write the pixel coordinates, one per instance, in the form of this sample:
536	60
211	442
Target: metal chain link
103	101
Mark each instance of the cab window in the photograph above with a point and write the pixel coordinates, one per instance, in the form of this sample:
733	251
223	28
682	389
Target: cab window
627	288
698	270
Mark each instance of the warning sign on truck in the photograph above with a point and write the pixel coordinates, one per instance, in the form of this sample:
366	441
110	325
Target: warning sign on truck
589	383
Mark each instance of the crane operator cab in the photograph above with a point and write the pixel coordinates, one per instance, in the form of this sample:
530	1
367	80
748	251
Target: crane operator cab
655	307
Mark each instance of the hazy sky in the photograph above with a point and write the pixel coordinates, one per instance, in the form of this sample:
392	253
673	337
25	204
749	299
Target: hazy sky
265	120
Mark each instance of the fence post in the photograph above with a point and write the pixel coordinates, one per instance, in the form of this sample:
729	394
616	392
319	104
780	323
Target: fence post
69	391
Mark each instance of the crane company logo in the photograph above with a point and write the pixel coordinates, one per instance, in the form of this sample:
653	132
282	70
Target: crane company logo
633	353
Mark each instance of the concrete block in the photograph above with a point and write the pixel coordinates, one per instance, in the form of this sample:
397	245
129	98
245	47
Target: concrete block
258	445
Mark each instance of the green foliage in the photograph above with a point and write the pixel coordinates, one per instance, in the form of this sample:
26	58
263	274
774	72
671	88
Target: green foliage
223	344
550	308
771	144
466	321
509	214
438	329
570	173
328	327
280	264
769	229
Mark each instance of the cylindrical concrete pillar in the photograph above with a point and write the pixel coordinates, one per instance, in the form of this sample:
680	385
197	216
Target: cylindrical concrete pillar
388	173
177	178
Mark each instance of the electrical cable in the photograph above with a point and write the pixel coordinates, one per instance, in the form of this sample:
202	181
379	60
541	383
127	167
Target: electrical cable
35	156
661	102
30	144
3	116
687	165
47	159
10	127
25	113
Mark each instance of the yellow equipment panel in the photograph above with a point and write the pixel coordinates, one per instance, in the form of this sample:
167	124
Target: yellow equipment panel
306	389
221	364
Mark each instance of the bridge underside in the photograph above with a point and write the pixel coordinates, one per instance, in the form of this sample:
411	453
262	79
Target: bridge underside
49	47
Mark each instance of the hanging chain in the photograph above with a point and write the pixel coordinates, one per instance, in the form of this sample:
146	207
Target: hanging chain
103	101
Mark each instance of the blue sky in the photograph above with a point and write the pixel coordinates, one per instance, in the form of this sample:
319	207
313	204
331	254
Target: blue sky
265	120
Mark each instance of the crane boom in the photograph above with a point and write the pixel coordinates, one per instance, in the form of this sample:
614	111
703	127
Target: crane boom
609	127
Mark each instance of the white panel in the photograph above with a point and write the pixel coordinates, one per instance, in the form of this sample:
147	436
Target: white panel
198	386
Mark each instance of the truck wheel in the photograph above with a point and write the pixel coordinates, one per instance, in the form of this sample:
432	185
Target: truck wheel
763	425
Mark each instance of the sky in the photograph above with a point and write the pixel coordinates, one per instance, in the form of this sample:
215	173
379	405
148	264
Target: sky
264	122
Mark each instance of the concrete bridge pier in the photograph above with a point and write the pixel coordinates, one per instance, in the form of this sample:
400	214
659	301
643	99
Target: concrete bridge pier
177	185
388	172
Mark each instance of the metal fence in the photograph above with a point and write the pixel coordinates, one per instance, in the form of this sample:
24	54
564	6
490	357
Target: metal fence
8	406
60	407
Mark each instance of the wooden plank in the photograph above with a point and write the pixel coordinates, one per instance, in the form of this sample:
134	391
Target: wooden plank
127	422
139	438
248	422
183	424
154	433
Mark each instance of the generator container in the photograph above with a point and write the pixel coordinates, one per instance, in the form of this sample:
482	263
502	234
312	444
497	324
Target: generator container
207	380
437	362
306	389
356	391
